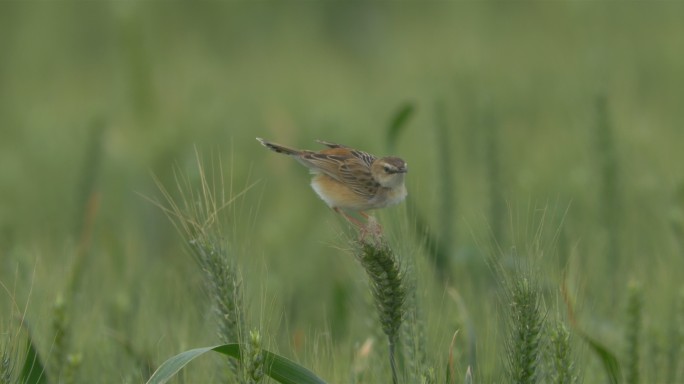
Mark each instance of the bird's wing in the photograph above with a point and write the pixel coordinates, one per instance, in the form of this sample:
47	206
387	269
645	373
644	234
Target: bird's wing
357	176
331	145
350	168
366	157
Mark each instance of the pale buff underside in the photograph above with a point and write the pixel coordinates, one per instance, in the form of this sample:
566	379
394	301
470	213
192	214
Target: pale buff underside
338	195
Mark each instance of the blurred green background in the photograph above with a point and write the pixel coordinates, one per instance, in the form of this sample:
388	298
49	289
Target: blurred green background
564	116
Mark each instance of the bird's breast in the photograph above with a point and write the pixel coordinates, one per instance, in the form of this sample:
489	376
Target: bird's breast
394	196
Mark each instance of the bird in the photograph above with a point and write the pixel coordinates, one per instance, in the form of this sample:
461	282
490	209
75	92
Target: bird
348	179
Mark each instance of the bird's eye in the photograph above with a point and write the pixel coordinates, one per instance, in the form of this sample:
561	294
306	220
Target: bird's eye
387	168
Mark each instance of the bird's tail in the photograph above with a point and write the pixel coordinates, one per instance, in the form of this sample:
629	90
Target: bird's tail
279	148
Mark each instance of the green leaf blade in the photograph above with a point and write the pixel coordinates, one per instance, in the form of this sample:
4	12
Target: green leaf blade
277	367
610	362
33	370
173	365
287	371
398	123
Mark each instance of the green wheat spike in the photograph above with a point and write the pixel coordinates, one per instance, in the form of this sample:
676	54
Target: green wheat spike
387	287
526	323
562	370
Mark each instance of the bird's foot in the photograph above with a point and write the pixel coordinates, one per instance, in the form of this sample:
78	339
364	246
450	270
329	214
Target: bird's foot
372	229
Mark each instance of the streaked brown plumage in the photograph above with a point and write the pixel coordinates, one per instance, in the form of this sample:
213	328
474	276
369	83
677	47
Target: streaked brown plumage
349	179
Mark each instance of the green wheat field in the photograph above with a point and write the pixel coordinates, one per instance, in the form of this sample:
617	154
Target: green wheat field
542	240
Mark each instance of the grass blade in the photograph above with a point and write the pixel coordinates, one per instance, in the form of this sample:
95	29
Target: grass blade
277	367
33	371
398	123
171	366
610	362
608	359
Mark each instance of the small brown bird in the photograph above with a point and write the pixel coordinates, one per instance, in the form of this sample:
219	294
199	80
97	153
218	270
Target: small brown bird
349	179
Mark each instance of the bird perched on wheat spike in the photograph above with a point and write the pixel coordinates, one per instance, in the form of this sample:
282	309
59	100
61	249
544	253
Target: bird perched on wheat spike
350	180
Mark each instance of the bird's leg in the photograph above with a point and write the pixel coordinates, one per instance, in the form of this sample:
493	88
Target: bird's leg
372	224
349	218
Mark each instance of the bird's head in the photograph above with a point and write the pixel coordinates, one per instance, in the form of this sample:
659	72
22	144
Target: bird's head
389	171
